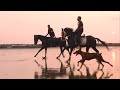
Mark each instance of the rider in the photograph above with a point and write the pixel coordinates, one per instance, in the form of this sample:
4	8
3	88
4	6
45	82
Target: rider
63	34
50	32
79	30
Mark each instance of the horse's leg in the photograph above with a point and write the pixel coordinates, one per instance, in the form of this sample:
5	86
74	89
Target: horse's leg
102	60
88	73
45	53
39	51
85	66
98	65
61	52
79	62
45	64
70	53
66	48
101	75
107	63
94	48
82	63
87	49
102	65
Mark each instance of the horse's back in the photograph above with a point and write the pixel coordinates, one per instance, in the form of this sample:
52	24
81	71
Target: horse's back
90	36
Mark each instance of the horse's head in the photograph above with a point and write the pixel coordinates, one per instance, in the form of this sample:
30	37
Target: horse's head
39	37
68	31
77	52
35	39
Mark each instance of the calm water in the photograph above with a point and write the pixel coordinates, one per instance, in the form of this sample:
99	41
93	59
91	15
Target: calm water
21	64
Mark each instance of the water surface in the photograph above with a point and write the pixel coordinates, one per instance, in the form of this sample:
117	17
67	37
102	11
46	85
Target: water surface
21	64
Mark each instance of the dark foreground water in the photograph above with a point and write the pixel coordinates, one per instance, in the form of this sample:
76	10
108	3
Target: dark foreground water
21	64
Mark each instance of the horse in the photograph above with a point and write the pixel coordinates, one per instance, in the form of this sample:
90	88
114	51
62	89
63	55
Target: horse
86	41
47	41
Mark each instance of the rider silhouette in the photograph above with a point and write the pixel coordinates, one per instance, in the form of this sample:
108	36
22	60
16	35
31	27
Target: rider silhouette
63	34
79	30
50	32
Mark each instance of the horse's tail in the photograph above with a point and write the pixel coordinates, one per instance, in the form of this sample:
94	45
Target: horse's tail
104	43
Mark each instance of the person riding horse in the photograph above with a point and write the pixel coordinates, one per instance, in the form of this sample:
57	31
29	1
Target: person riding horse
63	38
78	31
63	34
50	32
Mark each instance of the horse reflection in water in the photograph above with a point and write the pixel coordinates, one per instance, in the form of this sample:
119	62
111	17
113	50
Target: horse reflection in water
51	73
88	75
54	73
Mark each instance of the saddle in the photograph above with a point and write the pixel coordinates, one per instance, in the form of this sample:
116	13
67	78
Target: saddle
62	38
82	39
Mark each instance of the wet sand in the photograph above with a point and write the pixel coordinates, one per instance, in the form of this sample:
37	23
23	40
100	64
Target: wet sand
20	64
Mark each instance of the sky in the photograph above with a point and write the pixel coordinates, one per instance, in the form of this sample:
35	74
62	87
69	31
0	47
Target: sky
19	27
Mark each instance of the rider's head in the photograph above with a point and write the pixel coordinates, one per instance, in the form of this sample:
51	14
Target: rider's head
48	26
79	18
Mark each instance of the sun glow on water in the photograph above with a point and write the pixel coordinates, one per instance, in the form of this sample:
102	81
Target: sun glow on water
113	56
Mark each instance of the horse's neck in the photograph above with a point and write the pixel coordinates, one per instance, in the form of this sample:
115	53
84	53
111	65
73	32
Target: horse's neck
42	38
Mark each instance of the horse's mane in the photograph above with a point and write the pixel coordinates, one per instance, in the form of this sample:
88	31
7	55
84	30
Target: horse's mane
67	28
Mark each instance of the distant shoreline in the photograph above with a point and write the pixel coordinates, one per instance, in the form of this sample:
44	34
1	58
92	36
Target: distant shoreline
39	45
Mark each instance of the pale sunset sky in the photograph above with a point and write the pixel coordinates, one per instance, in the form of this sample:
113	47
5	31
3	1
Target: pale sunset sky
19	27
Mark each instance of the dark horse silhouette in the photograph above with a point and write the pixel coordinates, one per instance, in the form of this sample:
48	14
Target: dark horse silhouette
47	41
90	41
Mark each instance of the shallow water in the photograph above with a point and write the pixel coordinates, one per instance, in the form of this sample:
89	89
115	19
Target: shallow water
21	64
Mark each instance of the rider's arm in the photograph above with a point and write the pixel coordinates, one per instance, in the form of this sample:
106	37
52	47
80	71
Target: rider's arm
46	35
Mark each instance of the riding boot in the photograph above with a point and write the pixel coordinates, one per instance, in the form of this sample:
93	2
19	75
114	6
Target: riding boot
75	40
78	41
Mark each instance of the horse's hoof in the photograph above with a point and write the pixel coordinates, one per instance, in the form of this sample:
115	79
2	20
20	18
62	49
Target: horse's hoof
67	61
57	57
87	68
68	65
100	69
43	57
